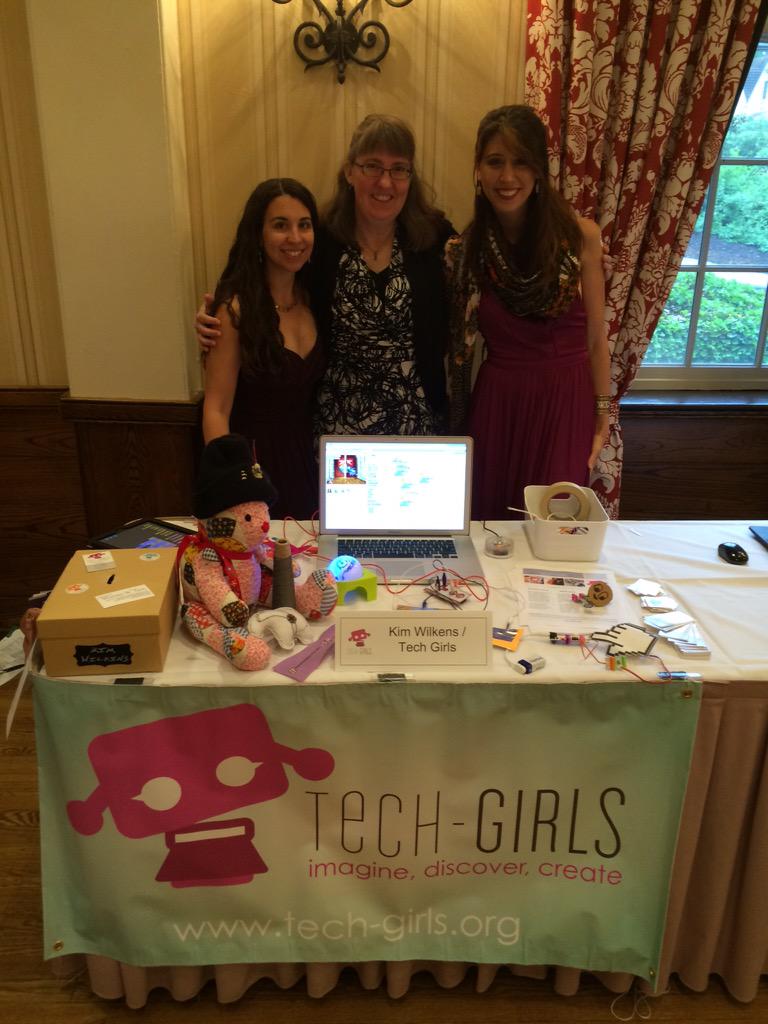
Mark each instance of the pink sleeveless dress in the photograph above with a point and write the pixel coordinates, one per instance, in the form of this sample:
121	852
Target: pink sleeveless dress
532	411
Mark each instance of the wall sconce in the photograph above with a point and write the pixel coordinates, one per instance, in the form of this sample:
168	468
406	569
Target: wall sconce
341	39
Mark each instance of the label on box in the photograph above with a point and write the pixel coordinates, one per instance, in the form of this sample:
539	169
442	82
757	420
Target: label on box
103	654
97	561
124	596
372	640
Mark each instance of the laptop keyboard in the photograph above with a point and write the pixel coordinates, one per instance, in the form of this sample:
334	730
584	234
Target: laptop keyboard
368	549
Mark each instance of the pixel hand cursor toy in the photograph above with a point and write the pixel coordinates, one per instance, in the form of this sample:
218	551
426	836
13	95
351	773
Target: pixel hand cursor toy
625	638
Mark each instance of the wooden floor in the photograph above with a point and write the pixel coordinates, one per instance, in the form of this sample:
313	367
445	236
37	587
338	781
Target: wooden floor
29	995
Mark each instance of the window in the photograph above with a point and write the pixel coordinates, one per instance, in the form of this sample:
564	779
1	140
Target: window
712	332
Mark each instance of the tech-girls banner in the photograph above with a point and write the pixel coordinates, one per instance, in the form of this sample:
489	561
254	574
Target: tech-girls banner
525	823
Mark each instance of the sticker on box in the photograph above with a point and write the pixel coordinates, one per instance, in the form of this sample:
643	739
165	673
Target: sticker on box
76	588
97	561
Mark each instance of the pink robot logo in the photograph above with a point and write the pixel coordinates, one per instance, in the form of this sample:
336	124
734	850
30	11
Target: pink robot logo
358	637
172	775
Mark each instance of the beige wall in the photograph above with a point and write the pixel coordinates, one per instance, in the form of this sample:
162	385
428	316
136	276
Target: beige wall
119	233
254	112
31	339
158	117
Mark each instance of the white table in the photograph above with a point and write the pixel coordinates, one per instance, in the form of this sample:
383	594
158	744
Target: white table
717	919
730	604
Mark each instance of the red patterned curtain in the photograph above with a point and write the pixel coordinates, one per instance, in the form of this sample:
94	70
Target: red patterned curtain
637	96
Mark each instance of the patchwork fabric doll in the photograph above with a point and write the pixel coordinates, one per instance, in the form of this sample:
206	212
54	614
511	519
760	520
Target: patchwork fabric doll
226	571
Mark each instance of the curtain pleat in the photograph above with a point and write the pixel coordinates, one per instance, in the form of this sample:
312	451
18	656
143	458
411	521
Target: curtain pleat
637	96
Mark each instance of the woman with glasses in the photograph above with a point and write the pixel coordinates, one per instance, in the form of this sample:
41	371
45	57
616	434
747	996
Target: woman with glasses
377	292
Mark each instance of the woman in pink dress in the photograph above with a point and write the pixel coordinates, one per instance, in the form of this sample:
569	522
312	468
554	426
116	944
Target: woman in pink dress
530	375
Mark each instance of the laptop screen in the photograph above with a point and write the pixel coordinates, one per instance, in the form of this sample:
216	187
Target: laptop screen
395	485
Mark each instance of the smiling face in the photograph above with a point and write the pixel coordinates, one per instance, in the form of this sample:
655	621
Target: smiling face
288	234
378	199
507	181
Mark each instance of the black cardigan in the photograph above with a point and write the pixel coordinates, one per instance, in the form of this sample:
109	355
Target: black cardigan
426	277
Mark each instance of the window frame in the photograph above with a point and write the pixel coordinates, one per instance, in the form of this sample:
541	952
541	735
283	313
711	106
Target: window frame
689	377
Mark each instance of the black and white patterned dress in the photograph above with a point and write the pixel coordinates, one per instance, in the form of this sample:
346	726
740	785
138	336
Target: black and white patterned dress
371	385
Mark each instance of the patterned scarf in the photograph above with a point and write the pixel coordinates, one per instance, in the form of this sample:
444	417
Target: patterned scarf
528	296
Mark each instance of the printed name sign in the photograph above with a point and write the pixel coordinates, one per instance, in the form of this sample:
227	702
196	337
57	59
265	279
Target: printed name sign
124	596
373	640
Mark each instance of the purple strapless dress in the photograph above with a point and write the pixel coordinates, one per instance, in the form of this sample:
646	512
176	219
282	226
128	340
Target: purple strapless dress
532	412
274	411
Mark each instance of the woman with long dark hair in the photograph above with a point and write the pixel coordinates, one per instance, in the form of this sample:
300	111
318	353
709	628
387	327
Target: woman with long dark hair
530	376
261	377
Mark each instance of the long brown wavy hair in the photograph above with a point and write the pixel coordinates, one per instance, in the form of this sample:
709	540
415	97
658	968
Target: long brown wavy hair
419	220
549	221
243	287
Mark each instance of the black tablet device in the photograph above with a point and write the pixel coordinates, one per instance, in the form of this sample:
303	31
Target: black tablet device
761	532
142	533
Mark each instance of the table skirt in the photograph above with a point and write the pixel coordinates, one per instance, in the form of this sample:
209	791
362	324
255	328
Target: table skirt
717	919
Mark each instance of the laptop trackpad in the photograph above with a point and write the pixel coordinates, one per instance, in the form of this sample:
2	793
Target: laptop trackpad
405	571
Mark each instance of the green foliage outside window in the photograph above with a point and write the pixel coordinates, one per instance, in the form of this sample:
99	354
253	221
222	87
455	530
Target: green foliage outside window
741	210
728	325
731	310
747	138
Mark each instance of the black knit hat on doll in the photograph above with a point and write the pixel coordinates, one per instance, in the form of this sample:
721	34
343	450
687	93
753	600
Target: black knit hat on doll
229	476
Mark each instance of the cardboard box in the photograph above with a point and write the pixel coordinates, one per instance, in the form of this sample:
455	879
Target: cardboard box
114	622
564	539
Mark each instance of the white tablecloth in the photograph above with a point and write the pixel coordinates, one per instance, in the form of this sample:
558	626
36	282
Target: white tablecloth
729	604
717	920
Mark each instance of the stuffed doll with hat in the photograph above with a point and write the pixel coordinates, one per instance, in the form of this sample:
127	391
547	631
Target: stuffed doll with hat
225	569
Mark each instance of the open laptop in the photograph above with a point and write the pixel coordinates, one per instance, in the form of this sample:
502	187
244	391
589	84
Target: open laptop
401	503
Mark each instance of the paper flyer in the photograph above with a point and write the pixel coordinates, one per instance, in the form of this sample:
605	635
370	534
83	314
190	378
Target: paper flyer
555	599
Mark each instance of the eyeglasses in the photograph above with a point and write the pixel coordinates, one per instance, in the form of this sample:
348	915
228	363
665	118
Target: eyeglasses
398	172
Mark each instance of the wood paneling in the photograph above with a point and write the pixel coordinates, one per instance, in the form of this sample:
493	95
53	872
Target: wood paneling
75	468
43	518
137	458
696	460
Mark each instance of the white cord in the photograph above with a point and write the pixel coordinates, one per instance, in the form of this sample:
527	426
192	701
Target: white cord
517	600
641	1009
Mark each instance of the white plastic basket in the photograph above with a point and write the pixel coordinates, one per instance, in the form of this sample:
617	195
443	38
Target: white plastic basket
561	537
